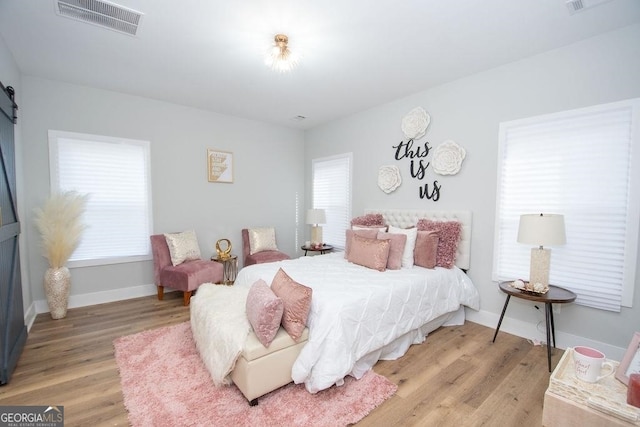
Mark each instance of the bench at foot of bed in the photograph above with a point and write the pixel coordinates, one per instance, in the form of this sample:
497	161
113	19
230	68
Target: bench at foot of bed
261	369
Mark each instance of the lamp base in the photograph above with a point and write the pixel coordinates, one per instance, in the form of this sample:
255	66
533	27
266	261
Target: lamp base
316	235
539	268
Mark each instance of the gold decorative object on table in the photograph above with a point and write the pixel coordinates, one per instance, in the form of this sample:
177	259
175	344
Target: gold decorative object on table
223	255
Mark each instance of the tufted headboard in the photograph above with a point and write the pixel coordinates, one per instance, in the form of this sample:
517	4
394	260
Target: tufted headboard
407	217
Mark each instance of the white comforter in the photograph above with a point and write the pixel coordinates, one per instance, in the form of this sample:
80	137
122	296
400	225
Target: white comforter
356	310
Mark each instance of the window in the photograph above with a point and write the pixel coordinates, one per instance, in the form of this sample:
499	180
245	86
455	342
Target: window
583	164
332	192
115	173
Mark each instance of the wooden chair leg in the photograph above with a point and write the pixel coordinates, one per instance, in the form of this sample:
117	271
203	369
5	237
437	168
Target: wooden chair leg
160	293
187	298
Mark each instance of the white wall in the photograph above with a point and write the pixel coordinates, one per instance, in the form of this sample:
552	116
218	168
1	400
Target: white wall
598	70
268	176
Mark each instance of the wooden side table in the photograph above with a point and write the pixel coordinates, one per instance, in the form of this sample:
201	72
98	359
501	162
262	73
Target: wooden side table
229	269
324	249
556	294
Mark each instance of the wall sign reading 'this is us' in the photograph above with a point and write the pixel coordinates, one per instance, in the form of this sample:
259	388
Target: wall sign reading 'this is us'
418	166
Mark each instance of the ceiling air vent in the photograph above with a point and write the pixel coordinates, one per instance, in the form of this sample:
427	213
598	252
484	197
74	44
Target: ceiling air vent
575	6
102	13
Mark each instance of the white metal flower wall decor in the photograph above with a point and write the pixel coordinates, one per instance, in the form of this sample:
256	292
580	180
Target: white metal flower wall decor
447	158
415	123
389	178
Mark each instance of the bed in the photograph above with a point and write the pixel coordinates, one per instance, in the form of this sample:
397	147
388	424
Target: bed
359	315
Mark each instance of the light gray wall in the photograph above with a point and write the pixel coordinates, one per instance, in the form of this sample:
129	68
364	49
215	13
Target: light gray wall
268	172
10	76
598	70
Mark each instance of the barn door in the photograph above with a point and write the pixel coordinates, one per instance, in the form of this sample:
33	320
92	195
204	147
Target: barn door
13	332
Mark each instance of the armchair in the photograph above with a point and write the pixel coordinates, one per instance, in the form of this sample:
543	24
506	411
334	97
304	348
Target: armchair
185	277
268	255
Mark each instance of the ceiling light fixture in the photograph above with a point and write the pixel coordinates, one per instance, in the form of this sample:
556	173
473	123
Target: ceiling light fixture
279	57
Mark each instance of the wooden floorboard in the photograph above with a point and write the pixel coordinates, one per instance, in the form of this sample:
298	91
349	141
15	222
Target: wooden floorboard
458	377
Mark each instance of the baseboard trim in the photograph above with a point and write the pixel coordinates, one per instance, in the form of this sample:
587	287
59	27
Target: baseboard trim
530	331
102	297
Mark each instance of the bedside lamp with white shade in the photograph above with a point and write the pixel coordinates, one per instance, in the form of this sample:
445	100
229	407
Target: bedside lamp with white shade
541	230
315	217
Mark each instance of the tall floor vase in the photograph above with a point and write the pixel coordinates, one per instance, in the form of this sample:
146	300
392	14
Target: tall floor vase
57	284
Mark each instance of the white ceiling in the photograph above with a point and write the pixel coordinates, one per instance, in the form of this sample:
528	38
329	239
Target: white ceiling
356	53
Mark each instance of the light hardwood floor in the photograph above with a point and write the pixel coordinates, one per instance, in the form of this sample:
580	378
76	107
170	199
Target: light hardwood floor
458	378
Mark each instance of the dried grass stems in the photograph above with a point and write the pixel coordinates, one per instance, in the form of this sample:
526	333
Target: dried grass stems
60	225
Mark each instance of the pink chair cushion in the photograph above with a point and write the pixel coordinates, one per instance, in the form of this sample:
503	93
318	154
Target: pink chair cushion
265	256
191	274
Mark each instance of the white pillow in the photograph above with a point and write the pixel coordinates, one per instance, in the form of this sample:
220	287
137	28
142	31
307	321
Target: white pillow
183	246
262	239
407	254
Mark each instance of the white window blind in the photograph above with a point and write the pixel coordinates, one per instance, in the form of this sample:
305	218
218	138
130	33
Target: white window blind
115	173
582	164
332	192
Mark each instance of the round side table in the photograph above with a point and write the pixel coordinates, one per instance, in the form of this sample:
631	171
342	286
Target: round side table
229	269
323	249
556	294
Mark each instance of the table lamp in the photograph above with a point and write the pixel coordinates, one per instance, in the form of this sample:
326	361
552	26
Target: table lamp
314	218
541	230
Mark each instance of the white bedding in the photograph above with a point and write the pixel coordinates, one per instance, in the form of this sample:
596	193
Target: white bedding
356	311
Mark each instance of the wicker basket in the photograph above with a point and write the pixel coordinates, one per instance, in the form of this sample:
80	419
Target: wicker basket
607	395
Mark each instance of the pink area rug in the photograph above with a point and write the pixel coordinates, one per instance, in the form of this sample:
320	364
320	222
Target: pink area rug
164	382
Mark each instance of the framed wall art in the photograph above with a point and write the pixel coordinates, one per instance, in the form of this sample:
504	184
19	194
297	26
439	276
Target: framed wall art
630	363
220	166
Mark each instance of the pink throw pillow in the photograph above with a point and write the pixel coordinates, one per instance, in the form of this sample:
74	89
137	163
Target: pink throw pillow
370	253
449	233
396	249
369	233
264	311
296	299
426	250
368	220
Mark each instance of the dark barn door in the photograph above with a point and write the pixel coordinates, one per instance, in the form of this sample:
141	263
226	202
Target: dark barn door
13	332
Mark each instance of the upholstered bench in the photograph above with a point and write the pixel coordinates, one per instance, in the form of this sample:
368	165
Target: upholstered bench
261	369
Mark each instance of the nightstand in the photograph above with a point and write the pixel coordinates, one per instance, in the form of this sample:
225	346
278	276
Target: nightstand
556	294
323	249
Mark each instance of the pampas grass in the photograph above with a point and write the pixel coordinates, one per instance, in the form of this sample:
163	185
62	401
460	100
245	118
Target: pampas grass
59	223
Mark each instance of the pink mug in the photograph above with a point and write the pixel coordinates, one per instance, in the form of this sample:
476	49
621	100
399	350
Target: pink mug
589	363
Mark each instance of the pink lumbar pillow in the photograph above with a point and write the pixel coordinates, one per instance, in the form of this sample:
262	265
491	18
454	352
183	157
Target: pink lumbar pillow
296	299
370	253
369	233
396	249
264	311
449	233
425	253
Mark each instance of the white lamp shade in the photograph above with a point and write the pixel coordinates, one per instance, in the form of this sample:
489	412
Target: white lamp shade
316	216
542	229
